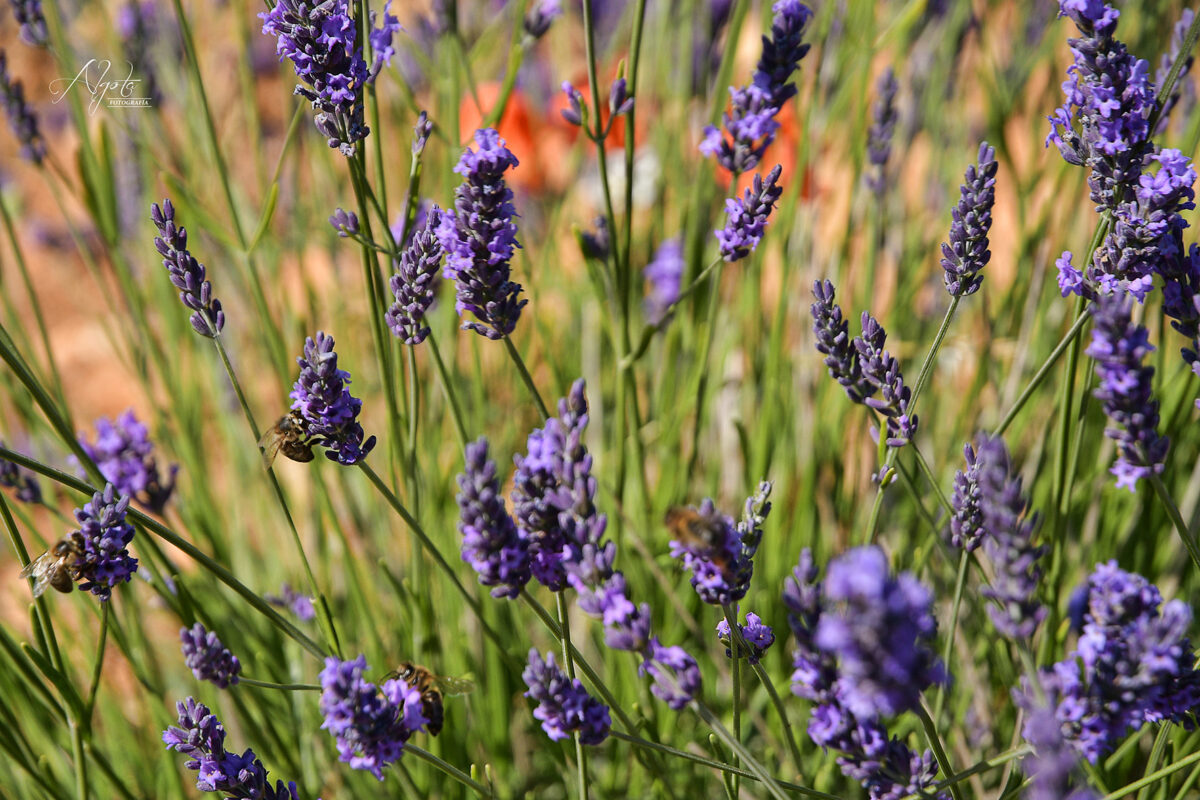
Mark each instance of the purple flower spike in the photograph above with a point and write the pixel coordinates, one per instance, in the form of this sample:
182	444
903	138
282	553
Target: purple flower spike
201	737
1053	768
14	477
757	635
879	135
21	120
28	14
330	412
815	670
966	523
1119	347
370	726
675	674
491	542
187	274
321	40
381	39
415	281
880	629
718	553
967	252
480	236
299	604
882	371
664	276
564	706
750	121
207	658
747	217
125	455
833	340
104	534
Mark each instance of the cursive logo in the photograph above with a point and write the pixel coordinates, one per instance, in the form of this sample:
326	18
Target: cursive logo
105	88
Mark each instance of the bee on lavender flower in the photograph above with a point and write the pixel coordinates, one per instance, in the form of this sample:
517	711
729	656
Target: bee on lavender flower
433	688
57	567
704	532
287	436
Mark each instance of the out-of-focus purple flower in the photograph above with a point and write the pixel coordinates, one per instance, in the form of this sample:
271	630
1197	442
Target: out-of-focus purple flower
664	276
370	724
718	553
300	604
207	658
1053	768
675	674
415	282
330	412
1133	665
187	274
750	122
1119	346
967	251
1070	279
880	629
966	523
479	238
596	243
14	477
554	491
201	737
564	706
1007	531
344	222
104	561
758	636
882	371
491	543
1103	123
833	340
321	40
540	16
746	217
125	456
815	670
28	14
141	30
1183	89
381	39
400	231
879	135
21	119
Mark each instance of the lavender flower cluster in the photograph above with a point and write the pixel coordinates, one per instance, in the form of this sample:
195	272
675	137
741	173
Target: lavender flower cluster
720	553
329	411
1133	665
104	560
750	122
29	15
187	274
757	635
879	135
125	455
201	737
21	119
207	658
564	706
746	217
415	281
863	640
370	723
862	366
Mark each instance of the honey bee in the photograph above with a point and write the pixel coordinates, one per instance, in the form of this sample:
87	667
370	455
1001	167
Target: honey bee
702	532
432	688
287	436
57	566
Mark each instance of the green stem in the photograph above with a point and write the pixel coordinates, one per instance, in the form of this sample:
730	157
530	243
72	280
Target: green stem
450	770
82	791
1189	539
99	664
1040	376
959	584
451	396
516	55
1156	754
772	786
935	743
564	625
710	332
735	647
1153	777
789	734
526	377
282	687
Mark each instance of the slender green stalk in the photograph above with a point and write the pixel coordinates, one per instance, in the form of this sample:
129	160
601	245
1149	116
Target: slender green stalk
1189	538
710	332
772	786
82	790
960	583
456	413
564	625
789	734
282	687
90	707
526	377
1153	777
736	646
939	752
1040	376
450	770
516	55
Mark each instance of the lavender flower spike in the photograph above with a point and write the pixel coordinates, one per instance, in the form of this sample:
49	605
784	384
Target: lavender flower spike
103	536
967	252
415	281
882	371
747	217
330	412
21	120
188	275
564	706
479	238
321	40
28	14
207	658
758	637
125	455
201	737
369	726
664	275
833	340
879	135
1119	347
880	628
966	523
675	673
491	544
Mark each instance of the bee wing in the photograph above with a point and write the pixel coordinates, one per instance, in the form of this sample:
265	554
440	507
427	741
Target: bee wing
39	570
32	567
270	443
452	687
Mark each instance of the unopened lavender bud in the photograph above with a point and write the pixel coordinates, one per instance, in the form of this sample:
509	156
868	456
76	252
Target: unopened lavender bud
344	222
541	15
577	111
619	102
421	132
